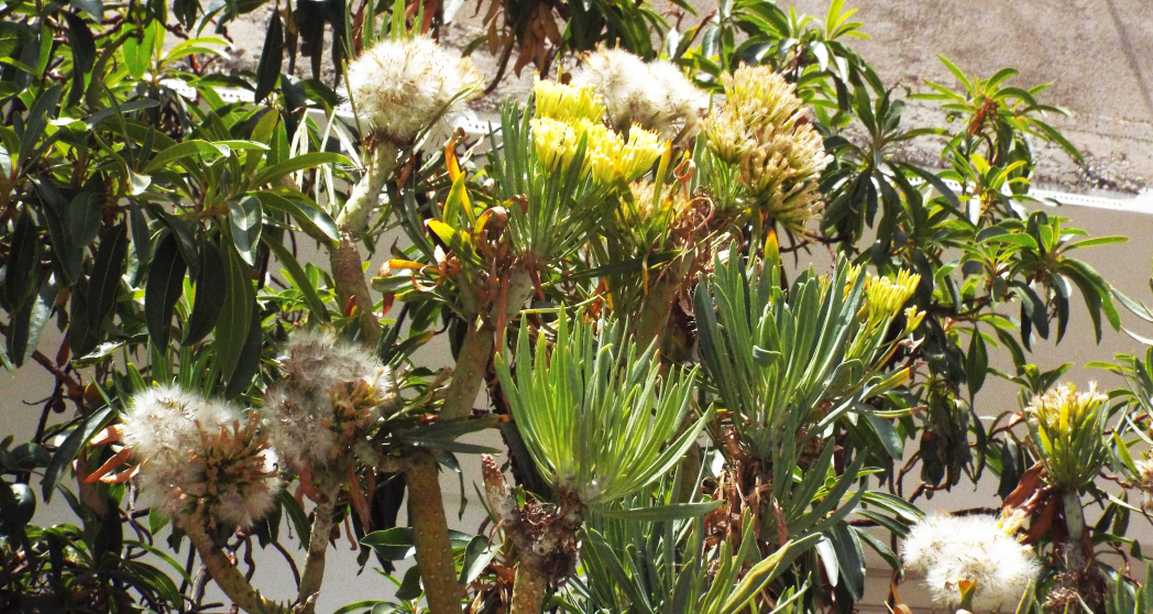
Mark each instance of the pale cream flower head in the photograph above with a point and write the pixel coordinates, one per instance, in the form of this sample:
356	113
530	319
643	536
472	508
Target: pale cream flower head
655	95
762	129
979	549
193	452
402	86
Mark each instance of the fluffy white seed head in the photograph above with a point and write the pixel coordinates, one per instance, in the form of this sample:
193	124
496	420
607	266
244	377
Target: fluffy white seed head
331	394
655	95
950	549
191	451
402	86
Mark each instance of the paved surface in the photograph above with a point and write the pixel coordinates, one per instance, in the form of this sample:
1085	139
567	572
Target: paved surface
1098	55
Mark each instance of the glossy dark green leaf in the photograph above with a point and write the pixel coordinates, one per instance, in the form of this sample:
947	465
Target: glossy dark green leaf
83	54
27	324
235	315
164	287
22	267
211	286
104	283
976	362
271	58
249	362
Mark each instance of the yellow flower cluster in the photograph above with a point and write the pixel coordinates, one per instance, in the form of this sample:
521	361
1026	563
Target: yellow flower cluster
884	296
608	157
1068	429
566	115
567	103
1062	410
762	129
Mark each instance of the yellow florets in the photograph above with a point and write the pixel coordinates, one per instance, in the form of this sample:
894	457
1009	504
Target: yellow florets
884	296
761	128
608	157
1068	429
567	103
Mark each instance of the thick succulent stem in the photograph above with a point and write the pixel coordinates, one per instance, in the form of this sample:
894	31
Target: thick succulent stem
313	575
469	372
226	575
347	265
653	317
366	193
352	287
476	350
528	590
430	535
1075	525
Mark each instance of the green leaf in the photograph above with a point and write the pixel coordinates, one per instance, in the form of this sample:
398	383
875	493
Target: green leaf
300	278
249	362
186	149
83	46
210	287
976	362
104	283
271	58
164	287
235	315
22	267
246	219
314	220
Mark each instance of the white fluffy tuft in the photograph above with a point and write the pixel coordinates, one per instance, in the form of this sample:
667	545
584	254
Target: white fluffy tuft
402	86
656	95
949	549
191	450
307	413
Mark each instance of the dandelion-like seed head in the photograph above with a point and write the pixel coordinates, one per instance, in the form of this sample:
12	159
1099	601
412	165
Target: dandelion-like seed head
655	95
761	128
402	86
195	452
886	295
331	395
237	471
565	102
981	550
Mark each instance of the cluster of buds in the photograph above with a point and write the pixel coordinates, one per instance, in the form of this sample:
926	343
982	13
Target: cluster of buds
886	295
1068	426
762	129
567	116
